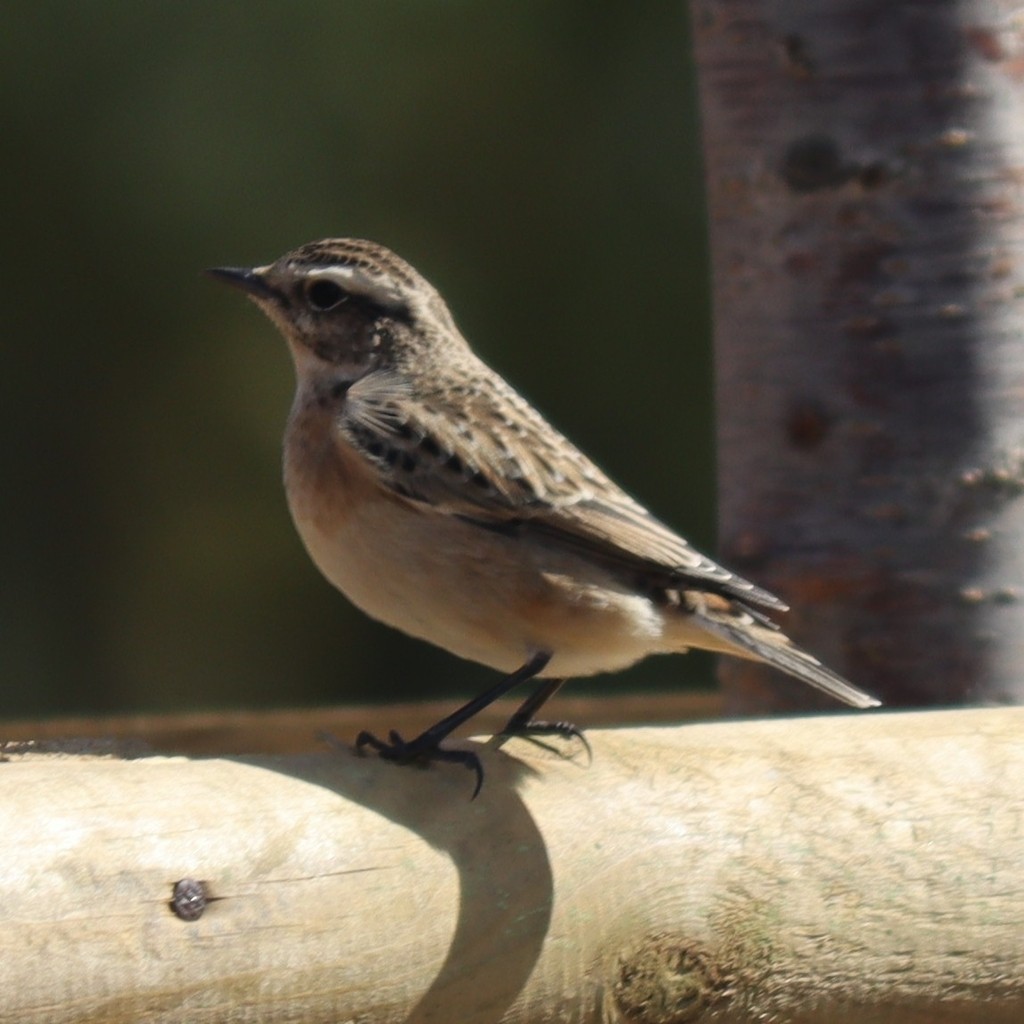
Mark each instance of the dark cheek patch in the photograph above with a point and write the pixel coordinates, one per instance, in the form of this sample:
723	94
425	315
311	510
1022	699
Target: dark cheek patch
345	334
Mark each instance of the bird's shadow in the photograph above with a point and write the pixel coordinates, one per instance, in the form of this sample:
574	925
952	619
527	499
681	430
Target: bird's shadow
505	902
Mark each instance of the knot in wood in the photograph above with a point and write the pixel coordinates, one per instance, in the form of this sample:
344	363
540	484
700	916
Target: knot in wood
667	980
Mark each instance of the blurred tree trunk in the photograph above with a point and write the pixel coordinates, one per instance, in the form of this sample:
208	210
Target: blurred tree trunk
864	164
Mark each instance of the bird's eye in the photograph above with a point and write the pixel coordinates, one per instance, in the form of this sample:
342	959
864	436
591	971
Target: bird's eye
324	294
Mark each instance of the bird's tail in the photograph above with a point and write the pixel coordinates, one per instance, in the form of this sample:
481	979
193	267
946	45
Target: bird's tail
751	635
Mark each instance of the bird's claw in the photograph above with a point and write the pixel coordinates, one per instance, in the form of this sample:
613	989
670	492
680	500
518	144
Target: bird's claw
422	753
529	729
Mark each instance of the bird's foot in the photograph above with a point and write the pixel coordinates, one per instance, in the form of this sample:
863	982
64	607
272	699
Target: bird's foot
420	751
531	729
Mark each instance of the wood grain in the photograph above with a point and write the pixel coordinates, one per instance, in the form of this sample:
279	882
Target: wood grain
850	867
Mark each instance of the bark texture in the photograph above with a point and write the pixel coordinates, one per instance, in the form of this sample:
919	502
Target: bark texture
864	163
843	868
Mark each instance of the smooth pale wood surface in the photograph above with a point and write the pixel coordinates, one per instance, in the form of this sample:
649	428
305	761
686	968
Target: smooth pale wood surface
859	867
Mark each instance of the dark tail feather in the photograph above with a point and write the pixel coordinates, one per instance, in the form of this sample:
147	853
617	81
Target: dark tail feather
761	643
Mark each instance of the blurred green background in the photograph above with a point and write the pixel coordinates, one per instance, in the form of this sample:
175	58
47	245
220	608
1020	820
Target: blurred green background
537	160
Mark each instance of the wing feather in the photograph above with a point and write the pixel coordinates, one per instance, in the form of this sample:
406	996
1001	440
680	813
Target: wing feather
492	460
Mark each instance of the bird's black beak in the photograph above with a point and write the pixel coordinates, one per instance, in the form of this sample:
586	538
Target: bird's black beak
246	279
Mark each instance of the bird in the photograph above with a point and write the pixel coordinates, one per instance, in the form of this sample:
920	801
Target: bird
441	502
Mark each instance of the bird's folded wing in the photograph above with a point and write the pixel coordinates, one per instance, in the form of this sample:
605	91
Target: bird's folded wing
511	472
621	533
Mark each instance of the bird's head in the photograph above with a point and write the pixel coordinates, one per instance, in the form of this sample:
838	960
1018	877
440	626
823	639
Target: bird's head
347	306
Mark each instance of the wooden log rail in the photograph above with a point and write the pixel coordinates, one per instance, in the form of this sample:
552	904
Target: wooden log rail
848	867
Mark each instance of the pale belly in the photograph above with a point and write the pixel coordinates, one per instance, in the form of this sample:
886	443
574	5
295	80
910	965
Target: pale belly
480	595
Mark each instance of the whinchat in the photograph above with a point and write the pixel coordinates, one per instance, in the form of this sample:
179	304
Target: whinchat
438	500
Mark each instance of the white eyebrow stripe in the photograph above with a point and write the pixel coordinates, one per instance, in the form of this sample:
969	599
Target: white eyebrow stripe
342	273
357	281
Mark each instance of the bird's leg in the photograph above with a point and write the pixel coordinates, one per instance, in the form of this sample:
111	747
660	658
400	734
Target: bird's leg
523	720
522	723
427	746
